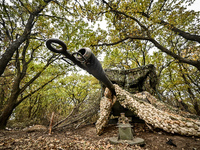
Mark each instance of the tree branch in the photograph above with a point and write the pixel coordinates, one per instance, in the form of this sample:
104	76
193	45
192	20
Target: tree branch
178	31
175	56
6	30
149	6
122	40
19	101
37	75
159	46
163	5
6	57
24	6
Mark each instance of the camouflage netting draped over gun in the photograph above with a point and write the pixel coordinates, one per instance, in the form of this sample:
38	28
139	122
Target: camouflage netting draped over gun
134	92
135	80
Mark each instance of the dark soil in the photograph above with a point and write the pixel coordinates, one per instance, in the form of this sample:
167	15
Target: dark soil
85	138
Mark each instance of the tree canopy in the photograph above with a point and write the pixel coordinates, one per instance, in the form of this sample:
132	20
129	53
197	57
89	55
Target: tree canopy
168	25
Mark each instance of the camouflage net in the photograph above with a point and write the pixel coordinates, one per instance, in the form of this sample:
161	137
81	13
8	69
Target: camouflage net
153	114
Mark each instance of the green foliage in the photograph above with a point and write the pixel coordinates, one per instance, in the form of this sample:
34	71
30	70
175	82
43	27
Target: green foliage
60	96
128	55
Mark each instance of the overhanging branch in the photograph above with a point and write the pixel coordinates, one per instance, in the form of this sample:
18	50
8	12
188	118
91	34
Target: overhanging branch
122	40
186	35
159	46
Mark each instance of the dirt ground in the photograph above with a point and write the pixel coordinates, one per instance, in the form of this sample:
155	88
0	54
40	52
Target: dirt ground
85	138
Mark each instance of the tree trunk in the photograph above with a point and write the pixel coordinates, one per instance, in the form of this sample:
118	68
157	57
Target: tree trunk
11	104
196	107
7	111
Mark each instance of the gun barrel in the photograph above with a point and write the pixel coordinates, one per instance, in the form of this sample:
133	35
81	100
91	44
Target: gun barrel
85	59
94	67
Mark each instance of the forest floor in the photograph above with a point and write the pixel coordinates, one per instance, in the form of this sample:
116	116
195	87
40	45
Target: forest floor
85	138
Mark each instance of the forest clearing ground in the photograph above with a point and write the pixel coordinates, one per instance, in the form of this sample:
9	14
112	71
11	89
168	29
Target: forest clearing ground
85	137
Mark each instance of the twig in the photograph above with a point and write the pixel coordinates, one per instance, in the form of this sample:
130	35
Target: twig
63	119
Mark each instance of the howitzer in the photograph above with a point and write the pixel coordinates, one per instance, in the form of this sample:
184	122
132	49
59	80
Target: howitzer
85	59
